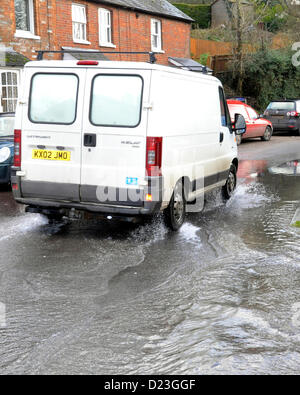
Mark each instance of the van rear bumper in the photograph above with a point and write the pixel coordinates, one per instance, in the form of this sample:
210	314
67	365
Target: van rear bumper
148	209
26	193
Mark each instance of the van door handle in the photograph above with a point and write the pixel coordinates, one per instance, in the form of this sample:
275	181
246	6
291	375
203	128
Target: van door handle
90	140
221	137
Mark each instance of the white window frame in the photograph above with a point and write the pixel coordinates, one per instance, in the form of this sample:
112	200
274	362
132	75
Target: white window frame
12	99
158	35
81	22
105	28
31	32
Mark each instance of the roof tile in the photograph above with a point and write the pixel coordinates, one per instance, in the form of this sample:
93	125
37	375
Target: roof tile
159	7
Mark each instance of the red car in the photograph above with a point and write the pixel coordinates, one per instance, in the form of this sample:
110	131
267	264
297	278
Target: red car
256	126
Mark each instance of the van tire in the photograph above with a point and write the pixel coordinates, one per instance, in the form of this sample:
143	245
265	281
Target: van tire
174	215
230	186
267	135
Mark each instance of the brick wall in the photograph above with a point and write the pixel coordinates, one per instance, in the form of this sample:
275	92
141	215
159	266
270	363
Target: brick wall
45	24
131	30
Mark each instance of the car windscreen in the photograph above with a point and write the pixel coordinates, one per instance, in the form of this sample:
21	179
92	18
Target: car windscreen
7	126
282	106
53	98
116	100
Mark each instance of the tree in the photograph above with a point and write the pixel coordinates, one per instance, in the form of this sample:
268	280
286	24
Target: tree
292	9
245	23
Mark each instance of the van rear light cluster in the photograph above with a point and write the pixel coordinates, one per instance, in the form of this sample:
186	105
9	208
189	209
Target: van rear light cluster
154	156
18	144
293	114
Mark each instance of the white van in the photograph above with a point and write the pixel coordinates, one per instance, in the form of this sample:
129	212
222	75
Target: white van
123	139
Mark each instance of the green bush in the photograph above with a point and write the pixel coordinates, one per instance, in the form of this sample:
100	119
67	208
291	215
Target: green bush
201	13
275	16
204	58
268	75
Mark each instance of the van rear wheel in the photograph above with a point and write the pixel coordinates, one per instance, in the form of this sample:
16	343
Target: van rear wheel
174	215
229	188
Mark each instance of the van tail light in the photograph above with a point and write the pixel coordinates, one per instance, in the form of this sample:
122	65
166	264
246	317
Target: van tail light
18	144
154	156
294	114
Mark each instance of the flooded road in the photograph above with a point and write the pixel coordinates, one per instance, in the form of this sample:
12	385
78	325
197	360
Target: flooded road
222	296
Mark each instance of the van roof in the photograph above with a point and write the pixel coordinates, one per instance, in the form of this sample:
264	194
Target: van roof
115	65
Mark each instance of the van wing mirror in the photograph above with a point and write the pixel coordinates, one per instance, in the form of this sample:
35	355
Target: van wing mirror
239	126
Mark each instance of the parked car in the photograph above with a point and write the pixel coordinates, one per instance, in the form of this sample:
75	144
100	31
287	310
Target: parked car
256	125
6	146
284	115
121	139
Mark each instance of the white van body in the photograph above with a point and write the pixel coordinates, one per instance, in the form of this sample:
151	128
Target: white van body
97	120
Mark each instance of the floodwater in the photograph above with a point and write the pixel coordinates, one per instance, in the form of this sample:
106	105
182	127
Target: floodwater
221	296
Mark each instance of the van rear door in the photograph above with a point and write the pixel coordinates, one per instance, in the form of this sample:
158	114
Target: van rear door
51	133
114	136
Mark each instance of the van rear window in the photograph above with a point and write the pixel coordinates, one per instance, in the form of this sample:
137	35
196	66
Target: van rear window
282	106
116	100
53	98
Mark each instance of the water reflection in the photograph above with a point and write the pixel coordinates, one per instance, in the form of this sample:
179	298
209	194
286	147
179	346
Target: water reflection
291	168
220	296
251	169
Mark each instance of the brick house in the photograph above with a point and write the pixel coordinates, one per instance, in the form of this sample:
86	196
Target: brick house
27	26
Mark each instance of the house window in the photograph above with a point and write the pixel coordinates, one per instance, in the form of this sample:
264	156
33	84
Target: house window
105	28
24	14
156	36
9	90
79	23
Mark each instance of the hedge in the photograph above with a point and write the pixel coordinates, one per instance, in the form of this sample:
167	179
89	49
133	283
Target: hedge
201	13
269	75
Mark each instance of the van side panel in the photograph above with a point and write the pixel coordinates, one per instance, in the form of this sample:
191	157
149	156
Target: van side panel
186	112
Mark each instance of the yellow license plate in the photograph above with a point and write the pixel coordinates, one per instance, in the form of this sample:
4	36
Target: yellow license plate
51	155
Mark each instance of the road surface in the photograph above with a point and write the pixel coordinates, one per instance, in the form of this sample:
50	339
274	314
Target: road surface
220	296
